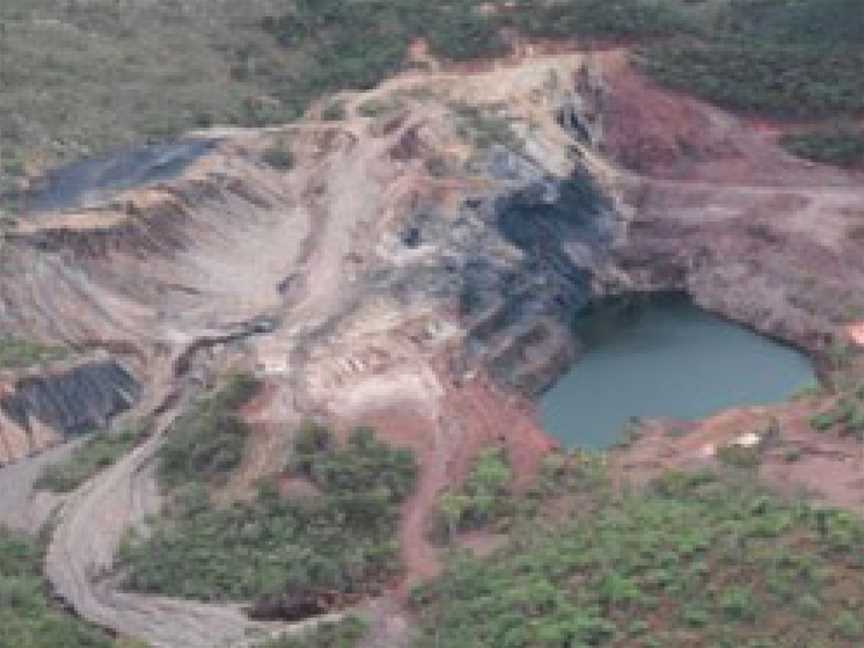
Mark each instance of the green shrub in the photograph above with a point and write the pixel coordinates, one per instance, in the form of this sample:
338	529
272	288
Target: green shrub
378	107
738	604
484	129
278	156
334	111
97	453
206	443
345	633
598	18
16	353
841	146
739	456
849	626
483	498
28	619
762	77
340	541
709	559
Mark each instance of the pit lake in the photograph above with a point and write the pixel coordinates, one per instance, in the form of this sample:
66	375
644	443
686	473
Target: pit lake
661	356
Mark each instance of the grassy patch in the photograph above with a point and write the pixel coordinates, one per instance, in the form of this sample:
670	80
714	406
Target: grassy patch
786	59
845	415
779	79
97	453
282	549
841	146
484	128
484	497
278	156
206	443
598	18
345	633
16	353
694	560
28	619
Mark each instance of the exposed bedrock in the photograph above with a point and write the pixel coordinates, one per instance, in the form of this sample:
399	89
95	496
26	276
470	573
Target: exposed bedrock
42	409
519	316
80	183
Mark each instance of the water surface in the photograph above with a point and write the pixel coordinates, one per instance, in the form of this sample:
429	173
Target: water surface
663	357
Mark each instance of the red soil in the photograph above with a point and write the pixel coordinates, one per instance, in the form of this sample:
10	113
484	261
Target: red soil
475	414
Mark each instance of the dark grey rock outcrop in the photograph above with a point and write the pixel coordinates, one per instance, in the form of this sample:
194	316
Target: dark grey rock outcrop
72	402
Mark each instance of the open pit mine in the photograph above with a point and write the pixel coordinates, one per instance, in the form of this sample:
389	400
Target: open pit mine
417	270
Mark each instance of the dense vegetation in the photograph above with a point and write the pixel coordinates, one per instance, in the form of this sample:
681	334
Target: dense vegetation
16	353
342	540
696	560
845	415
28	619
342	634
206	443
841	146
95	454
482	499
80	78
787	59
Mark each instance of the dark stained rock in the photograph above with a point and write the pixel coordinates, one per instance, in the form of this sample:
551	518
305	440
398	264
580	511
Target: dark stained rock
75	401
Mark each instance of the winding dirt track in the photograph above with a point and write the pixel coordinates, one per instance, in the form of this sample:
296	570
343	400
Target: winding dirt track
94	519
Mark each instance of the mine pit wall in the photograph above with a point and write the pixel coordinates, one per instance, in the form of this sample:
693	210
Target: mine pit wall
576	246
42	410
519	316
738	278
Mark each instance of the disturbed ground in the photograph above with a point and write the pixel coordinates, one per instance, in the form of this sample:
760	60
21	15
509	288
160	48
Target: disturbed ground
416	270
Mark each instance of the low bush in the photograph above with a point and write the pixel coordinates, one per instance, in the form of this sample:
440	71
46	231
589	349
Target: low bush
16	353
846	414
345	633
784	80
278	156
484	128
28	619
842	146
273	547
598	18
484	498
206	443
706	559
95	454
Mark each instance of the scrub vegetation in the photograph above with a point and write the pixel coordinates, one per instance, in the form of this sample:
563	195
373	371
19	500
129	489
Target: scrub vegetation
206	443
94	455
694	560
775	57
342	634
16	353
840	145
484	497
116	77
282	551
28	617
845	416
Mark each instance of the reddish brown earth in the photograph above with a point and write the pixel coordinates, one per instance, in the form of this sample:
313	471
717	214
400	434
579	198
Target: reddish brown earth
475	414
825	466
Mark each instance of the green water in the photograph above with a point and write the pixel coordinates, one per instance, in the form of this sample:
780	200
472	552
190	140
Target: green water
663	357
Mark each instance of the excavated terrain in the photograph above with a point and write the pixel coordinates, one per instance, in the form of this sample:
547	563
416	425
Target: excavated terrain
416	269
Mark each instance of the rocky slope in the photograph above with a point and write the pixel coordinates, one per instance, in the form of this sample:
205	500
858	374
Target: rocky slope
415	269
